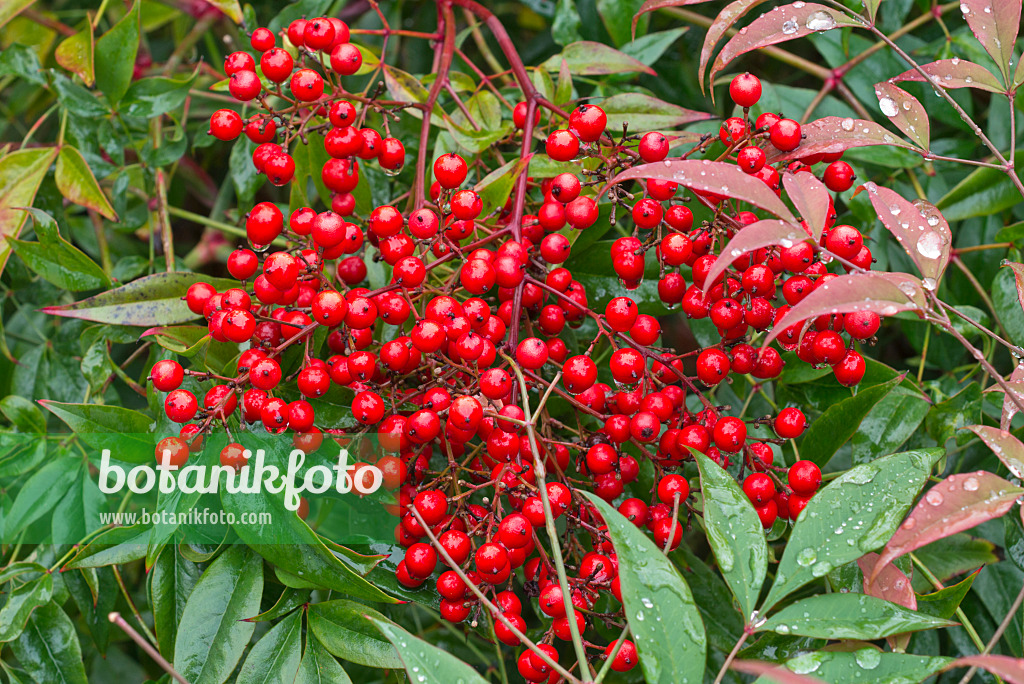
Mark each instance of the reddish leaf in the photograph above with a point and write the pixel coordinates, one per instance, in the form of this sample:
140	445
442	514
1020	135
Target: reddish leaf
652	5
958	503
811	199
919	227
772	671
833	134
857	292
782	23
995	24
728	16
1010	670
1018	276
755	236
714	177
891	584
954	73
1016	385
904	111
1004	445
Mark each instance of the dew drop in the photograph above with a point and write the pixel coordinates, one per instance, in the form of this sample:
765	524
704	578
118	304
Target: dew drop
888	106
820	21
847	124
929	245
971	484
789	27
933	497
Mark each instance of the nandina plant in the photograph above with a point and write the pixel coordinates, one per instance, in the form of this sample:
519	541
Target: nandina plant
397	343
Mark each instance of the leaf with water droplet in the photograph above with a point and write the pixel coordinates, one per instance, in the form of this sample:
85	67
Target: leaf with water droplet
835	134
850	616
918	226
811	199
424	662
840	422
904	111
868	291
995	24
953	73
671	649
784	23
734	531
773	671
875	495
707	176
958	503
766	233
1004	445
864	666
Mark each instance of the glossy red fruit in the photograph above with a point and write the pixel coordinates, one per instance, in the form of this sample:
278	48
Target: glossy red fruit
790	423
804	477
745	90
785	135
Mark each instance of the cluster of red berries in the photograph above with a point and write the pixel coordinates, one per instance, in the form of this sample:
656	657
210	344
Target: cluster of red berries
437	360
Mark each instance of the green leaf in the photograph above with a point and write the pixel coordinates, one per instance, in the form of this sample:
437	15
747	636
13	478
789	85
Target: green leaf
983	192
21	60
345	629
494	188
150	300
75	53
292	546
230	8
9	10
617	17
662	615
114	547
943	603
849	616
648	49
169	584
319	667
275	657
586	58
565	25
152	97
48	649
40	493
890	423
56	259
644	112
840	421
115	55
864	665
867	503
243	173
77	99
20	604
23	414
424	662
960	410
111	427
213	633
734	532
21	173
20	568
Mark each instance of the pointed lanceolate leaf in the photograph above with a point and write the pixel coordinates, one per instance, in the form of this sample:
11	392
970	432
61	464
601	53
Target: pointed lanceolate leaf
1015	383
724	21
772	672
21	173
953	73
150	300
918	226
1010	670
984	192
56	259
785	22
734	532
840	422
849	616
856	292
318	666
1018	277
905	112
811	199
48	648
213	633
662	615
425	663
711	177
834	134
75	53
276	656
748	239
19	604
124	431
115	55
1004	445
646	113
866	502
995	24
586	58
958	503
347	630
943	603
868	664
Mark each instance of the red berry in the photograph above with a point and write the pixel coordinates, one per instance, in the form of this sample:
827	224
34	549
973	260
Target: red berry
839	176
785	135
790	423
562	145
450	170
225	124
745	90
167	375
804	477
589	122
